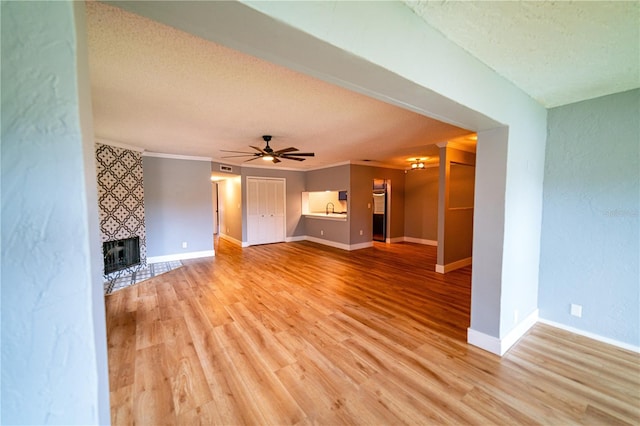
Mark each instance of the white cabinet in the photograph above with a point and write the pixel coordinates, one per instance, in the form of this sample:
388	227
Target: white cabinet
265	210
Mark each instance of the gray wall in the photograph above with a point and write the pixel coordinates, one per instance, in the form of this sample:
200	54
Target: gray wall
178	205
421	204
361	192
329	179
590	231
295	184
333	179
54	351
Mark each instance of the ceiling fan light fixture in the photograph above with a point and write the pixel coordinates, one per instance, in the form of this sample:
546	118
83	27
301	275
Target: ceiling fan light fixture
269	154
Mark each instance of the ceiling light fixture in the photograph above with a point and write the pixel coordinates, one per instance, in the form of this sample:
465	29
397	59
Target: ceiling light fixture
417	163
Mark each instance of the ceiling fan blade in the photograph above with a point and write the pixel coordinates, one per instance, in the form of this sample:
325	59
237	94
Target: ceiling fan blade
254	158
237	152
286	157
258	149
300	154
285	150
275	160
242	155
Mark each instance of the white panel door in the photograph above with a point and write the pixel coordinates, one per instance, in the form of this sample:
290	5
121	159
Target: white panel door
265	210
253	215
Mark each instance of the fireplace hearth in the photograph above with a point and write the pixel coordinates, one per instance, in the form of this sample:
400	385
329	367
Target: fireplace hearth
120	254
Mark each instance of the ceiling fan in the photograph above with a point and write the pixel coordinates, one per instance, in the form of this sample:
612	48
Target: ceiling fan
268	154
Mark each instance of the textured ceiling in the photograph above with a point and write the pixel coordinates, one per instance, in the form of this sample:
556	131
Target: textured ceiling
167	91
559	52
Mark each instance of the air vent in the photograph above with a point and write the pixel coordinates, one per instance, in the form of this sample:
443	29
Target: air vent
224	168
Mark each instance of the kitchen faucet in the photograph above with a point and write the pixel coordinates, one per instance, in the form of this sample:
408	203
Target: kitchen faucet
327	208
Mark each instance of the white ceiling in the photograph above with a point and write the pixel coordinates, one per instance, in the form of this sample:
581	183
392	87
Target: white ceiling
559	52
167	91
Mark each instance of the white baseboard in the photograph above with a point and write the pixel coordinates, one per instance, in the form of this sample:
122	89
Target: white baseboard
501	346
593	336
443	269
296	238
341	246
394	240
327	242
420	241
519	330
361	245
231	239
181	256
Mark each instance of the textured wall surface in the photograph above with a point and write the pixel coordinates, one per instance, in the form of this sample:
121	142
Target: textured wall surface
54	368
121	198
590	231
178	205
560	40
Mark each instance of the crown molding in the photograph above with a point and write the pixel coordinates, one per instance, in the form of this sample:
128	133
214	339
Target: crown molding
119	145
461	147
175	156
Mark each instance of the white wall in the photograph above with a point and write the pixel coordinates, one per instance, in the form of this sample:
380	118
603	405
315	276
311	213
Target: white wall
54	357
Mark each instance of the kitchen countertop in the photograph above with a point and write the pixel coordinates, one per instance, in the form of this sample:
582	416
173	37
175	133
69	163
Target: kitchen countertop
330	216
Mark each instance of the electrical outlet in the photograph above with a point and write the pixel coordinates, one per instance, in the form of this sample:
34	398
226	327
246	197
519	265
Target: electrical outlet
576	310
361	232
184	244
368	205
321	232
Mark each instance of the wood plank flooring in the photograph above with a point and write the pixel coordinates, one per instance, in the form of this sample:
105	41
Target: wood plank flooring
301	334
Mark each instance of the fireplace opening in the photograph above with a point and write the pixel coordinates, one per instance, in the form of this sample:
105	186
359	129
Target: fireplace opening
120	254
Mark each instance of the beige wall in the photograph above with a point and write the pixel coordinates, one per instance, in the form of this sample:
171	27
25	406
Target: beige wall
461	185
455	206
230	207
421	204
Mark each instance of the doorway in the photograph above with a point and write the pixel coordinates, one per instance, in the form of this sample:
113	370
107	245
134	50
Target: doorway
380	201
216	208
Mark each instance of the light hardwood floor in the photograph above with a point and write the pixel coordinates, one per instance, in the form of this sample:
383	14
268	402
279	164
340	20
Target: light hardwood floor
299	333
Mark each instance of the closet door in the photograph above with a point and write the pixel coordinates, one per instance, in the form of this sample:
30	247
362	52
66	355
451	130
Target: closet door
275	211
265	210
253	214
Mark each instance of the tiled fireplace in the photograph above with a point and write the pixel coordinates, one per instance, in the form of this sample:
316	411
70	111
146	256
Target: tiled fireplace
121	204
